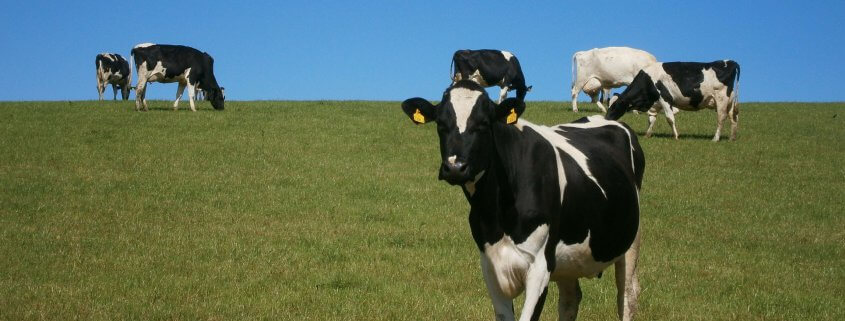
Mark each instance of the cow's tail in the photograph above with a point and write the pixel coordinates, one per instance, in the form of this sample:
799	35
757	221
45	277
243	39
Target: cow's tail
735	100
452	67
573	68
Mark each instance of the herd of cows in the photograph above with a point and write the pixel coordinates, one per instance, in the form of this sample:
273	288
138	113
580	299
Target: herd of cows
547	203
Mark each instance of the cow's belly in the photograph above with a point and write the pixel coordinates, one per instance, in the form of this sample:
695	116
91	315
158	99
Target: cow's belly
576	261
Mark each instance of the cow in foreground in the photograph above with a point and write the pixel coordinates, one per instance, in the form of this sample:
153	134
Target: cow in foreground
171	63
546	203
490	68
113	69
602	69
686	85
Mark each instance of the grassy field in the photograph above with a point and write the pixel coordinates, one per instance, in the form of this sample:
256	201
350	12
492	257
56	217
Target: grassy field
332	210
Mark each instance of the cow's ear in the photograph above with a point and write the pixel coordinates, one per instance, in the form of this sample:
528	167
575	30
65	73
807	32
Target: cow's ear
510	110
419	110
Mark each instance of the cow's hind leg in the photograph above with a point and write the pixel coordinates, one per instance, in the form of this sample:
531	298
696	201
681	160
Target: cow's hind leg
734	112
627	282
502	305
570	299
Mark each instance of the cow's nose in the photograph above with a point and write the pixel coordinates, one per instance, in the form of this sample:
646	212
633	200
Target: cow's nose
454	172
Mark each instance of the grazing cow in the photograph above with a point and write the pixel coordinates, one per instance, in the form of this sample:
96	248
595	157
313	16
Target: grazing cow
546	203
687	86
490	68
601	69
169	63
113	69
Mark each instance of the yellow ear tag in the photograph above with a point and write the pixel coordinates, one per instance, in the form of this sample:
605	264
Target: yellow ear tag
511	117
418	117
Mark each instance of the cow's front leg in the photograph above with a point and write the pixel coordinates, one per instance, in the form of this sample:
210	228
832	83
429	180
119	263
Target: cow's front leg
670	117
179	92
192	90
502	305
140	92
652	118
101	87
536	285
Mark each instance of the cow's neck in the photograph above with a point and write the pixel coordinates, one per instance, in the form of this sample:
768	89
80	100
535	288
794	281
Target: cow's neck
492	210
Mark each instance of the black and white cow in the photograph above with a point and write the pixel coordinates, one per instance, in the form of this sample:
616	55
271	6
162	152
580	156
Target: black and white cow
490	68
685	85
171	63
546	203
113	69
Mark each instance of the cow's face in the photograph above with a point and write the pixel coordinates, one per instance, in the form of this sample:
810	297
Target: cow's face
215	96
465	119
641	95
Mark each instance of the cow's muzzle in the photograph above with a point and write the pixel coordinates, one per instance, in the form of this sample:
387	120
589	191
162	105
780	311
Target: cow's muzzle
455	173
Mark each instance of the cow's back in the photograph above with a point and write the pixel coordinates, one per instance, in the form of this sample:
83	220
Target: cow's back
613	66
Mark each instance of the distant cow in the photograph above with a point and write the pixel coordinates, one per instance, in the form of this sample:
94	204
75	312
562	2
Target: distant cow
490	68
113	69
687	86
547	204
601	69
170	63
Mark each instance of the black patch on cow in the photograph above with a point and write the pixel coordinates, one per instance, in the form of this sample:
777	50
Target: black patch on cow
727	72
664	92
493	67
688	77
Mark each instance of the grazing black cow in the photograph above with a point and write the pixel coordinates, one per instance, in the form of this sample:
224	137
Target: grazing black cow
685	85
546	203
113	69
170	63
490	68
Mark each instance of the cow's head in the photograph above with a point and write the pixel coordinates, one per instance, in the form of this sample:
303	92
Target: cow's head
641	94
215	96
465	121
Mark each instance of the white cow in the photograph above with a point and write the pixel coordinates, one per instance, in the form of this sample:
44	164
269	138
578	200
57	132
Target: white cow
601	69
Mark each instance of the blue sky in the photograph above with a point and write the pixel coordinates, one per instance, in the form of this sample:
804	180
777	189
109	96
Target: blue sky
392	50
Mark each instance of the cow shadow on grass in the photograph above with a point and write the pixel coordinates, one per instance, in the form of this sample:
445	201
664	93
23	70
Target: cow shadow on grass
681	137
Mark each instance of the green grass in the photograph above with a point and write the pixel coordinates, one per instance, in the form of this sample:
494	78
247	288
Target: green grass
332	210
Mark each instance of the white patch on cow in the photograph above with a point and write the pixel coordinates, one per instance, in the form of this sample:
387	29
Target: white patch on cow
108	56
463	100
560	143
576	260
596	121
510	262
144	45
476	77
451	159
470	186
507	55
